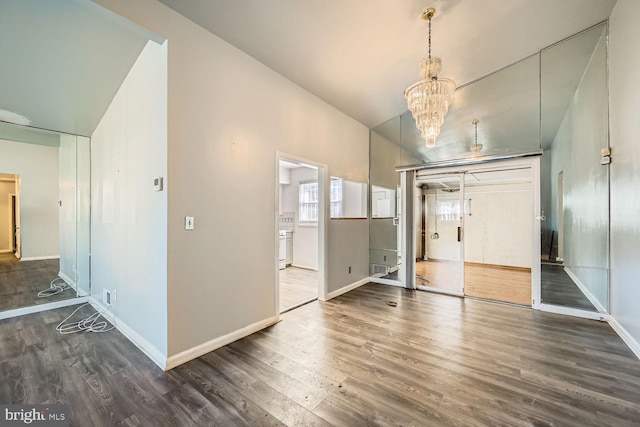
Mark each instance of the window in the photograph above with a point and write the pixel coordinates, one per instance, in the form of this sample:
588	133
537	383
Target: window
336	198
449	210
309	200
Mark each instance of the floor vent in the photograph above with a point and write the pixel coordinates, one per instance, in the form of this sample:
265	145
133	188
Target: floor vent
379	269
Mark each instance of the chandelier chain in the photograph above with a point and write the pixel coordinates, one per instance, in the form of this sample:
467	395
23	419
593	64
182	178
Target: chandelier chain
429	37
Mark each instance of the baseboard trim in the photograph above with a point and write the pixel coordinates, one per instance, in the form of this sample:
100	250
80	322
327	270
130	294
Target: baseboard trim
347	288
381	281
138	340
68	280
216	343
303	267
626	336
440	291
41	307
592	299
575	312
39	258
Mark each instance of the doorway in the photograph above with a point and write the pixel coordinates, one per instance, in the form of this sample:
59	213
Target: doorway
300	230
9	215
475	231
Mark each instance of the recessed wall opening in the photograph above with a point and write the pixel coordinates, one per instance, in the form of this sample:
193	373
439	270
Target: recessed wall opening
300	222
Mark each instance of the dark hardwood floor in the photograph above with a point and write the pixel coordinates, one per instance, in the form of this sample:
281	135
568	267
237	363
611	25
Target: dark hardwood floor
423	360
20	282
557	288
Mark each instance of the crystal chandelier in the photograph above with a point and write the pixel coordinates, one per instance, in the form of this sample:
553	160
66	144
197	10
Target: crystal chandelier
429	98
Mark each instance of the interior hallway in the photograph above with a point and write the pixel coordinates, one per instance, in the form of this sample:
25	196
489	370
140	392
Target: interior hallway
20	282
559	289
355	360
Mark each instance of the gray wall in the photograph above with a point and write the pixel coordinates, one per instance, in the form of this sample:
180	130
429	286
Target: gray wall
624	102
576	152
227	116
129	218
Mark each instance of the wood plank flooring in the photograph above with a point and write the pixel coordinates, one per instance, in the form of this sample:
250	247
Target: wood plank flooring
20	282
486	281
559	289
427	360
297	285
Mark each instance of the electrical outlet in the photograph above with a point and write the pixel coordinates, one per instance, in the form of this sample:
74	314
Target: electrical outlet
107	298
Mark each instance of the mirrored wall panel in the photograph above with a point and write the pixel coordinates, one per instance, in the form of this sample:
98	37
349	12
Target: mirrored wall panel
44	216
574	183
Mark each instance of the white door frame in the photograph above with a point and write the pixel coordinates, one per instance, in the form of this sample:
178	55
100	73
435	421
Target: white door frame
524	162
323	224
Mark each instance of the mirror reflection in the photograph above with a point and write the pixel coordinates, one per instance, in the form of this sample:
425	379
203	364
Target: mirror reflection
549	101
574	184
44	216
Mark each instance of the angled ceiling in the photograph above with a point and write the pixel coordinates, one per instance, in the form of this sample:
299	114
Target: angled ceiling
360	55
63	61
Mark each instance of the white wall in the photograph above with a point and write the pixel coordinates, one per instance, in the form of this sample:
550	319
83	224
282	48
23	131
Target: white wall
227	116
624	103
305	236
37	166
6	232
67	212
576	152
497	232
129	218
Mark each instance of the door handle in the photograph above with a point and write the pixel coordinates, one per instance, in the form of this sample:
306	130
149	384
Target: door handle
459	234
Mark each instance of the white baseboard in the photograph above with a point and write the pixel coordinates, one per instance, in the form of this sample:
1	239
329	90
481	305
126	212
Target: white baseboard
382	281
575	312
209	346
587	293
41	307
347	288
304	267
626	336
39	258
69	281
145	346
440	291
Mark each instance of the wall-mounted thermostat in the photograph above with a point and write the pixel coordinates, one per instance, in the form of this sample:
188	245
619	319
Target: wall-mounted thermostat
157	184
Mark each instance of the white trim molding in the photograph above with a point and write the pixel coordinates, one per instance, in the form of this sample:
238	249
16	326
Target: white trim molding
41	307
625	335
39	258
136	339
381	281
575	312
347	288
216	343
587	293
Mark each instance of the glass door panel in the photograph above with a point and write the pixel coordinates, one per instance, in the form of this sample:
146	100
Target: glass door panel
498	224
439	260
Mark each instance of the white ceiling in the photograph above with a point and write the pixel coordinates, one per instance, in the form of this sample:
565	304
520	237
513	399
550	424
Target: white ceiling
360	55
63	61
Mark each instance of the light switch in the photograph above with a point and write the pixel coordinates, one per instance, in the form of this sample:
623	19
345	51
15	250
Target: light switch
189	223
157	184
